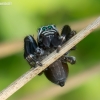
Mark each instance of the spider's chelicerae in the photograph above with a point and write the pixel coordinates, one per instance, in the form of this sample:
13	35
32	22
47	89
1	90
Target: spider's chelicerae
48	40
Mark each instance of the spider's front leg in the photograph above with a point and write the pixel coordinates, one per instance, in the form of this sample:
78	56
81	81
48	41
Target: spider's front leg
31	51
66	34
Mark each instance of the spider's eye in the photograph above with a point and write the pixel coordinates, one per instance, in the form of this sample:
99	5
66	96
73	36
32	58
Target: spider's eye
44	29
49	27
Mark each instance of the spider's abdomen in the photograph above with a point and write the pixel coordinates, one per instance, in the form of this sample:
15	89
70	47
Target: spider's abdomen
57	72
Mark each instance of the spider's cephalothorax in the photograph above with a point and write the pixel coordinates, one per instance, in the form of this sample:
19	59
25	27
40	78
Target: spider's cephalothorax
48	40
48	37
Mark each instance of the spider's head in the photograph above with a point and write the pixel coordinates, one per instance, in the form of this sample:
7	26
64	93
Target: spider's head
46	31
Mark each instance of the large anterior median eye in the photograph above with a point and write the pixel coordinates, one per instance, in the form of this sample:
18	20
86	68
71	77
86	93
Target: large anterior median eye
44	28
50	27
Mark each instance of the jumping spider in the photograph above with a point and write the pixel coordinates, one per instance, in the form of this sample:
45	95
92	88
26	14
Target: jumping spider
48	40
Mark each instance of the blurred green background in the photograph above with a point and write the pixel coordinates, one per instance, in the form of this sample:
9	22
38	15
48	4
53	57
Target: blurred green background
23	17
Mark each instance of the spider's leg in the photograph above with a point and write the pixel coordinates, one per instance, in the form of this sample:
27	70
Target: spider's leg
66	34
30	47
70	59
